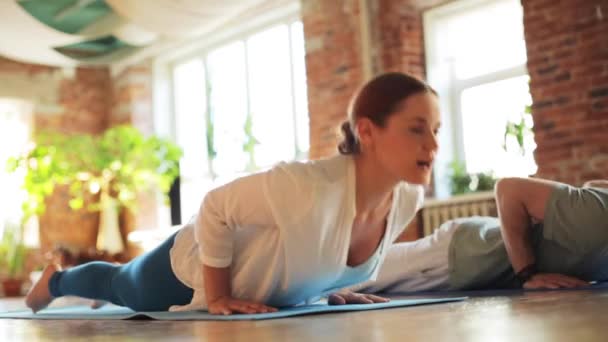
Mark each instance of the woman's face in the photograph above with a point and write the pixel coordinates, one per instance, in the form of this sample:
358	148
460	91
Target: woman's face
406	146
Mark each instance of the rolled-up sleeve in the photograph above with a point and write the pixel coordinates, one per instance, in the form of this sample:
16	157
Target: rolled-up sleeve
236	205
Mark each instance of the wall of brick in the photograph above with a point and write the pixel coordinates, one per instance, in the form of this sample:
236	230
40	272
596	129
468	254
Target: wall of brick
334	69
132	103
568	64
66	100
334	60
132	97
399	36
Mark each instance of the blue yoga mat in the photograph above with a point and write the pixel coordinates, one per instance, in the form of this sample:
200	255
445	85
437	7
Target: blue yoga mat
117	313
599	286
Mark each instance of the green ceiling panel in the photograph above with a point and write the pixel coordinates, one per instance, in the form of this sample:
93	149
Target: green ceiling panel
69	16
93	48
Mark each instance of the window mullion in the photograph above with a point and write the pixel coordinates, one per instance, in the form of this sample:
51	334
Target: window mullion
294	110
248	94
209	119
455	106
461	85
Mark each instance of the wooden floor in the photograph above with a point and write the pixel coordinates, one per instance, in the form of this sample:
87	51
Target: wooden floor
548	316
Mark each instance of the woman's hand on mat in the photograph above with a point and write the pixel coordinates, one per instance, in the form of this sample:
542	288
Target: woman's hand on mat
229	305
349	297
553	281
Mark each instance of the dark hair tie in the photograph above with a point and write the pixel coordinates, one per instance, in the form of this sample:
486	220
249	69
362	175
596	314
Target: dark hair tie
349	144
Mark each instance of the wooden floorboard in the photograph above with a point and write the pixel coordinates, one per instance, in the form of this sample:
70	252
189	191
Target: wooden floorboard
547	316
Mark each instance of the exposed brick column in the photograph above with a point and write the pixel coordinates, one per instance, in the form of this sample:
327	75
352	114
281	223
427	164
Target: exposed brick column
399	37
332	32
333	67
85	103
132	97
567	43
132	104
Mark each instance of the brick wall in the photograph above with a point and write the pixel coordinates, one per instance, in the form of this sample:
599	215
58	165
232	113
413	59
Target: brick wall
132	104
399	36
334	63
334	70
66	100
132	97
567	43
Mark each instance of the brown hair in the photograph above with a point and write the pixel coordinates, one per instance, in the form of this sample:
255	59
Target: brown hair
377	100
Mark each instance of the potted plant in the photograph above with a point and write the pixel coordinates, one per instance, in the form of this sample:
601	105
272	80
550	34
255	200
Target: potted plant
519	130
12	259
101	174
462	182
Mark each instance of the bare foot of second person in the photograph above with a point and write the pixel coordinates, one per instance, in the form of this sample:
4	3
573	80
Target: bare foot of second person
39	296
96	304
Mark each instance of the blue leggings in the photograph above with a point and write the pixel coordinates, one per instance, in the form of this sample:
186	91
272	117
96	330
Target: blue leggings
146	283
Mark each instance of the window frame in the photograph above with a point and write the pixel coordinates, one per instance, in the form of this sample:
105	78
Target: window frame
164	91
24	108
441	75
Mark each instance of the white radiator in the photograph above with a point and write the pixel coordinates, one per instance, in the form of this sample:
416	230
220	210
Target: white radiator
435	212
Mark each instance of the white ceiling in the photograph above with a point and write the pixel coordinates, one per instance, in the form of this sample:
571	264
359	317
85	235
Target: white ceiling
151	26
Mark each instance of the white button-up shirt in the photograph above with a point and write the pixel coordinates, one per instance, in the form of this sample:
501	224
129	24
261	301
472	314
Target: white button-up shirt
285	232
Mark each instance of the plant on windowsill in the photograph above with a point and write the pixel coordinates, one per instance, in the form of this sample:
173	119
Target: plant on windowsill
12	259
103	174
462	182
249	145
519	130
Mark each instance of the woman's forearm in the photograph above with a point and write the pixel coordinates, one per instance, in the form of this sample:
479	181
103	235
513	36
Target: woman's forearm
217	283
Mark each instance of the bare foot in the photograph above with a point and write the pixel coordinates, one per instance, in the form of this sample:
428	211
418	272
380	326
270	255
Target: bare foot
39	296
96	304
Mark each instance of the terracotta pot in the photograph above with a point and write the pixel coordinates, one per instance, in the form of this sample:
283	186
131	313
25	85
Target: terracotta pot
77	231
12	287
60	225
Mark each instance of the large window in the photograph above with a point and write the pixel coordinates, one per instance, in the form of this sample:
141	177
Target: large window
240	107
476	57
15	127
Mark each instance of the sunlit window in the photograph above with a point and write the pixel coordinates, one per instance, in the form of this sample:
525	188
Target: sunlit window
484	115
240	107
15	132
476	60
483	38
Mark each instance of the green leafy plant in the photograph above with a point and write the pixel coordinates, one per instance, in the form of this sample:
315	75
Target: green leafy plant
459	178
120	163
211	152
249	145
462	182
12	251
519	130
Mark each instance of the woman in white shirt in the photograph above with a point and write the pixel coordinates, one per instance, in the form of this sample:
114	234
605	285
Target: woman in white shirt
291	234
